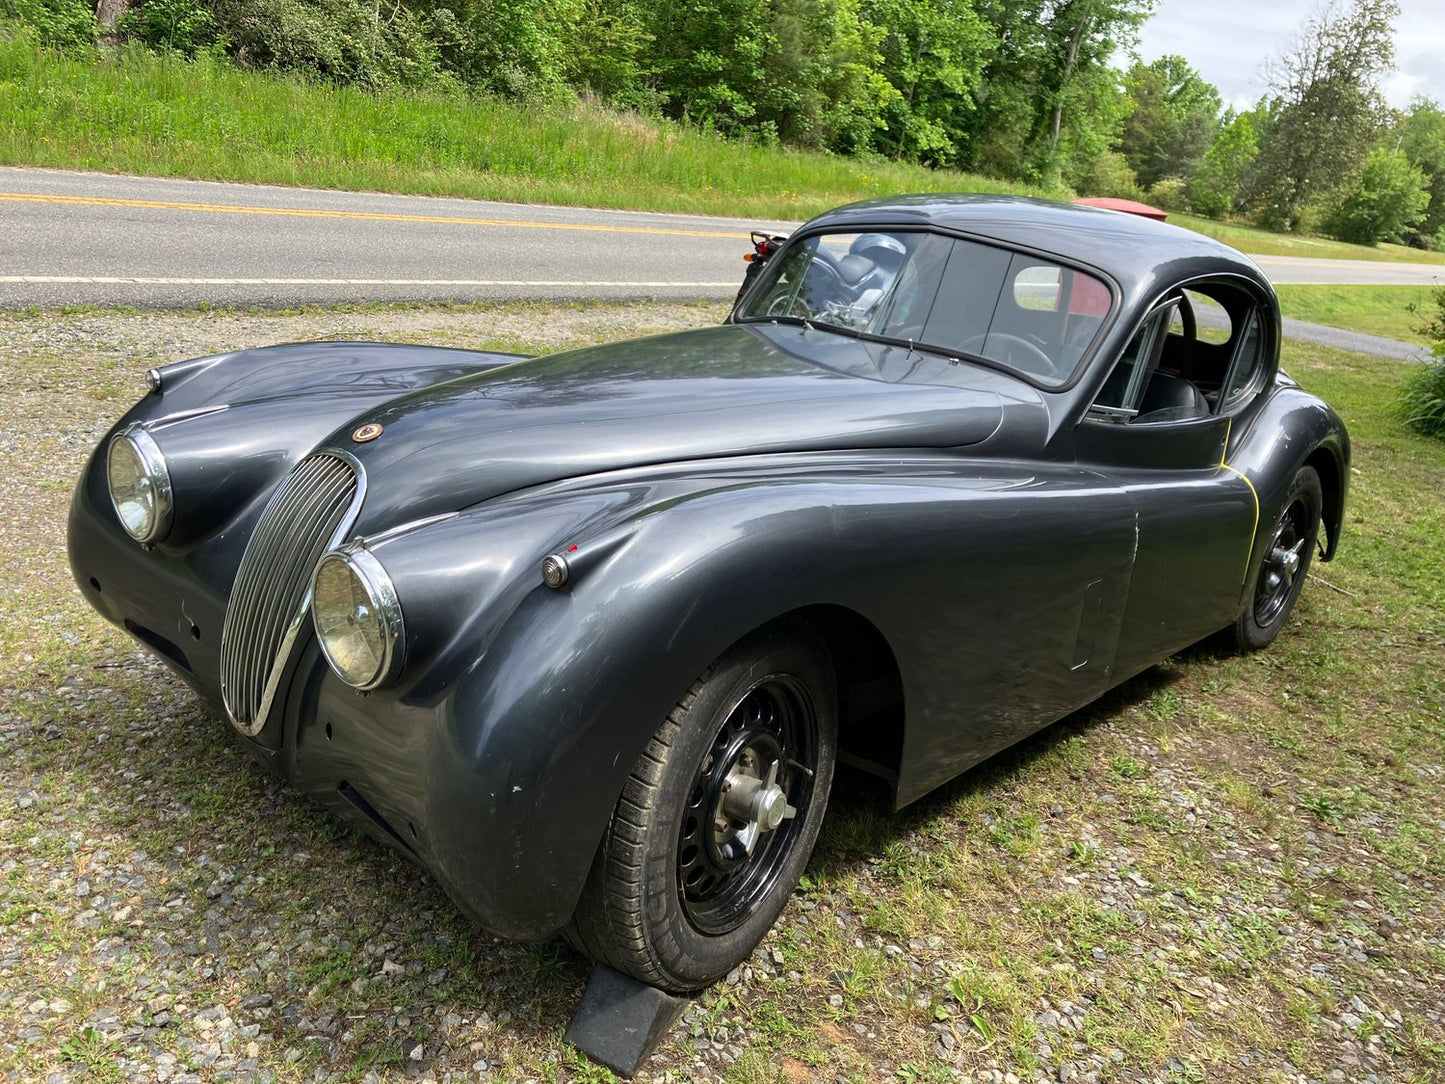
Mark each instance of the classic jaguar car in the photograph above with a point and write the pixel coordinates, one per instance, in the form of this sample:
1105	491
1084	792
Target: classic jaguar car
585	635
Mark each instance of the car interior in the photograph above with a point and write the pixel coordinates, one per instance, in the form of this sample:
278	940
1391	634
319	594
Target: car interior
1181	363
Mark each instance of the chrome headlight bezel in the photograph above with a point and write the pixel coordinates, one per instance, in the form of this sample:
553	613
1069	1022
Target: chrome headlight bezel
384	607
153	470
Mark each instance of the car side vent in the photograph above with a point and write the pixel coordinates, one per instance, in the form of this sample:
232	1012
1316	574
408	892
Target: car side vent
310	514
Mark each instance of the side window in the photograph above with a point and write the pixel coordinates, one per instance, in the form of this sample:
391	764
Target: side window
1212	321
1119	399
1248	365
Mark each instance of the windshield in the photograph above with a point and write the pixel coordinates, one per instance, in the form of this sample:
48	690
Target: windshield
950	295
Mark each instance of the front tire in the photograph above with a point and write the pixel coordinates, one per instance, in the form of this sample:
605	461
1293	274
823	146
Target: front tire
1286	563
718	818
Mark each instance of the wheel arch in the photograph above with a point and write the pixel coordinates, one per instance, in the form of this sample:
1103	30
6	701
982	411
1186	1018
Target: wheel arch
871	716
1326	463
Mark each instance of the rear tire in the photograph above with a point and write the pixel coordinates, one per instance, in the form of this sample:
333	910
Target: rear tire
1288	553
700	854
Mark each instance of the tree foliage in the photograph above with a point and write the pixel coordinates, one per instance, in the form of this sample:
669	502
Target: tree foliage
1387	197
1215	187
1421	136
59	24
932	54
1172	121
1326	107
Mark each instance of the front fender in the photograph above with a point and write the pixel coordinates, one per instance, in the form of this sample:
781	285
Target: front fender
508	774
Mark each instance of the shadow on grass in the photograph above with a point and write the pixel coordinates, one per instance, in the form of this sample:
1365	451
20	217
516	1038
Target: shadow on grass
363	935
242	887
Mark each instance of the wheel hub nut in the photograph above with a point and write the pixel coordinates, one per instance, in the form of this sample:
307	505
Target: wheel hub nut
757	805
771	807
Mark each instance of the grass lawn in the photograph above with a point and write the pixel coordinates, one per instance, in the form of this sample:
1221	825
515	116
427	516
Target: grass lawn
1374	310
1229	869
1260	242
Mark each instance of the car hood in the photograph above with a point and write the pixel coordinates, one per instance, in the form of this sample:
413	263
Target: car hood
724	391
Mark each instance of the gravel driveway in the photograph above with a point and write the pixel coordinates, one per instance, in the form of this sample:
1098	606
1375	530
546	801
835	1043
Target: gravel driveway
1175	885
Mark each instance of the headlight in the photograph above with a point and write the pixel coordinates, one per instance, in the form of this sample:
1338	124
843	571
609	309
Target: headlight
357	618
140	485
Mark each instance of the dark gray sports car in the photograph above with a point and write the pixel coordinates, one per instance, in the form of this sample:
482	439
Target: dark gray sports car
586	634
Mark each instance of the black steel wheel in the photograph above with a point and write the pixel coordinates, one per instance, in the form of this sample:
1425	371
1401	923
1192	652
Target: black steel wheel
1288	552
718	817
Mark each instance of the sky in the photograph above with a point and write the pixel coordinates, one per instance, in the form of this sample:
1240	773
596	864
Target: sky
1229	41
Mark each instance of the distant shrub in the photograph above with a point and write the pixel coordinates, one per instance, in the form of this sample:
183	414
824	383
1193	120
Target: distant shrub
1170	195
1386	198
181	26
68	25
349	41
1110	175
1423	401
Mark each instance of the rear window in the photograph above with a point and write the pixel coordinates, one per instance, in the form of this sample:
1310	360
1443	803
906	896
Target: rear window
953	296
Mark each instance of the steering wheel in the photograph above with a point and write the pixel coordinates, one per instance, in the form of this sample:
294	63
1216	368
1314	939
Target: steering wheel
1017	351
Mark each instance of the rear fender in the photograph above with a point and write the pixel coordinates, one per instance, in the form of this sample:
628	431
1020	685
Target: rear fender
1290	430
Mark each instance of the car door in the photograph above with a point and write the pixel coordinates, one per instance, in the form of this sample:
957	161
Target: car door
1160	438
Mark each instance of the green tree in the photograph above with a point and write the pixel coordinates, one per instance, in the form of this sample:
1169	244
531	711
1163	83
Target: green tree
1049	103
1173	119
708	60
1387	197
60	24
606	53
351	41
821	84
1326	107
1214	188
181	26
508	47
933	54
1421	136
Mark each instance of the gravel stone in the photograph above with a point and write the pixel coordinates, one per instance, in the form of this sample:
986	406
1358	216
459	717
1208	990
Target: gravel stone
201	922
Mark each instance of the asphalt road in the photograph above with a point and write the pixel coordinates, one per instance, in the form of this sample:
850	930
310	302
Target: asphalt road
87	238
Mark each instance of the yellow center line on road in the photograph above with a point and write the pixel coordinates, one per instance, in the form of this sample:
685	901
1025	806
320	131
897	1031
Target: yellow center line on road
302	212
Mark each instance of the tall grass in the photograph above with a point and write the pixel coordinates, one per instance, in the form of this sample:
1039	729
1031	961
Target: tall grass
135	112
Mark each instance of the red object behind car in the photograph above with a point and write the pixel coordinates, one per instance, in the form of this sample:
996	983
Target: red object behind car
1129	206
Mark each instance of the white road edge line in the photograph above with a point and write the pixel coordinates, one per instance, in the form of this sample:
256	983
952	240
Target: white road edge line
147	281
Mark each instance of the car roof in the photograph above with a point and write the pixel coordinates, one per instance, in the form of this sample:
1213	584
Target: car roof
1140	254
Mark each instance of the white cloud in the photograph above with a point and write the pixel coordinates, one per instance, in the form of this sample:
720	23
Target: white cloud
1229	42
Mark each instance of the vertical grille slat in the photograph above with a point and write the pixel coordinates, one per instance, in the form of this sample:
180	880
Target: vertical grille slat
309	514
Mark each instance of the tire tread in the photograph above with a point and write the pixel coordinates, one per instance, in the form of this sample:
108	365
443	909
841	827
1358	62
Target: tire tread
608	923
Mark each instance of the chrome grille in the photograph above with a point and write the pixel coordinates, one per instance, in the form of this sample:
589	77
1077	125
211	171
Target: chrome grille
309	514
